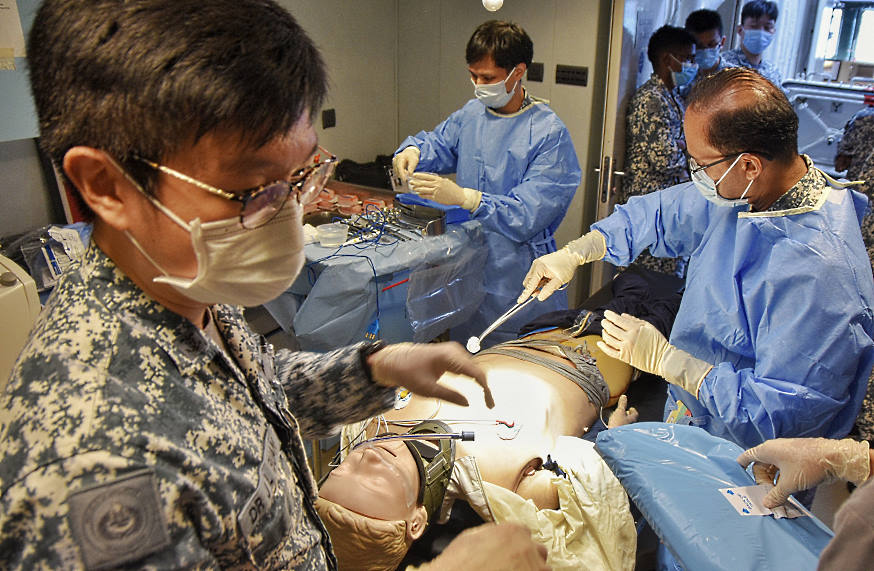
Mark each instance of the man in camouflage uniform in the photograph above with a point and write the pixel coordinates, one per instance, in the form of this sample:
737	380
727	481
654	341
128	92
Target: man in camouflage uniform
856	156
758	24
655	146
706	27
144	424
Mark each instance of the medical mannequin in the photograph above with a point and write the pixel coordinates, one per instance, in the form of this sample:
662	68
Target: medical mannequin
534	407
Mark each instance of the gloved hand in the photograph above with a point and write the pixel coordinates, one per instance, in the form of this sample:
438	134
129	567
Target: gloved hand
417	366
491	547
804	463
641	345
558	267
622	415
404	163
443	190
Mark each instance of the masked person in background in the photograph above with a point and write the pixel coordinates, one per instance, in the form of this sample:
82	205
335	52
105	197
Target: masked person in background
773	337
756	30
516	171
144	423
856	156
655	147
706	27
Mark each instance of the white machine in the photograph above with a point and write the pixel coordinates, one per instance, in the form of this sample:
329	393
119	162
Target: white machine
19	306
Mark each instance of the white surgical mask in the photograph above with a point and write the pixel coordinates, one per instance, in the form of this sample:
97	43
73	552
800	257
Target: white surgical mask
708	188
494	95
755	41
235	265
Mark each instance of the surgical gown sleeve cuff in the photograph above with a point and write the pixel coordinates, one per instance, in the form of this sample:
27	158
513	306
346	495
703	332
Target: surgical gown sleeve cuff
472	199
680	368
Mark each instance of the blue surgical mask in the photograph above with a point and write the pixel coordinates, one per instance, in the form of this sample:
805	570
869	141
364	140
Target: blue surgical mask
708	188
755	41
686	74
707	58
494	95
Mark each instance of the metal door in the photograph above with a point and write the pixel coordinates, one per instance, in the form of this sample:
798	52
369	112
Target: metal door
631	24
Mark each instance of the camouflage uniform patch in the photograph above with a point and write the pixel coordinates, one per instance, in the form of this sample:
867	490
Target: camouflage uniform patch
118	521
111	383
655	152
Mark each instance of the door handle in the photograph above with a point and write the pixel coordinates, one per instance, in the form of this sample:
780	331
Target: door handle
606	173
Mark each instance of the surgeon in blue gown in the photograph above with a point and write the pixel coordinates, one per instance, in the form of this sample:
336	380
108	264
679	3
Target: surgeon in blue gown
516	171
773	337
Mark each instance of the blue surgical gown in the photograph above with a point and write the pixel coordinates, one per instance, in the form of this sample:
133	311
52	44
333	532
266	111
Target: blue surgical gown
779	302
526	167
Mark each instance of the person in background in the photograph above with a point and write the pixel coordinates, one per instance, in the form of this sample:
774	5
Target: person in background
856	156
756	30
144	424
655	147
706	27
763	345
516	171
803	463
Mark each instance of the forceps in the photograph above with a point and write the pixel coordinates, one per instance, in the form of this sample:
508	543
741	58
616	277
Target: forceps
473	344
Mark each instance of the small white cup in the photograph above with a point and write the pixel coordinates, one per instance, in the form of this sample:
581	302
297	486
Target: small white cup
332	235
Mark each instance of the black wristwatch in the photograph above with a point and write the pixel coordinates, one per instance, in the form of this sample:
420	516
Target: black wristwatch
367	350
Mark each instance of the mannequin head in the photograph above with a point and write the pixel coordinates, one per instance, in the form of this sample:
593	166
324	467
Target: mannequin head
384	542
379	480
387	488
372	504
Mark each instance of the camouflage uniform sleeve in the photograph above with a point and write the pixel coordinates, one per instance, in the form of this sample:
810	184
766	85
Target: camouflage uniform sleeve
325	390
93	510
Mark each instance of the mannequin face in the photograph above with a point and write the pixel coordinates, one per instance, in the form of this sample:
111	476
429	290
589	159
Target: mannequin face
379	480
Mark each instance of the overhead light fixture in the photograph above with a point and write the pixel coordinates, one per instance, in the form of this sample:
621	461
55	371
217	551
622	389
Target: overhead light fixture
493	5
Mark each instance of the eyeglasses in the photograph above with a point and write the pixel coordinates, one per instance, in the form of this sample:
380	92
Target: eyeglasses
694	167
262	203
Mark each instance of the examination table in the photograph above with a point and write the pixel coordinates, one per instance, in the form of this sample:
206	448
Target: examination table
673	474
